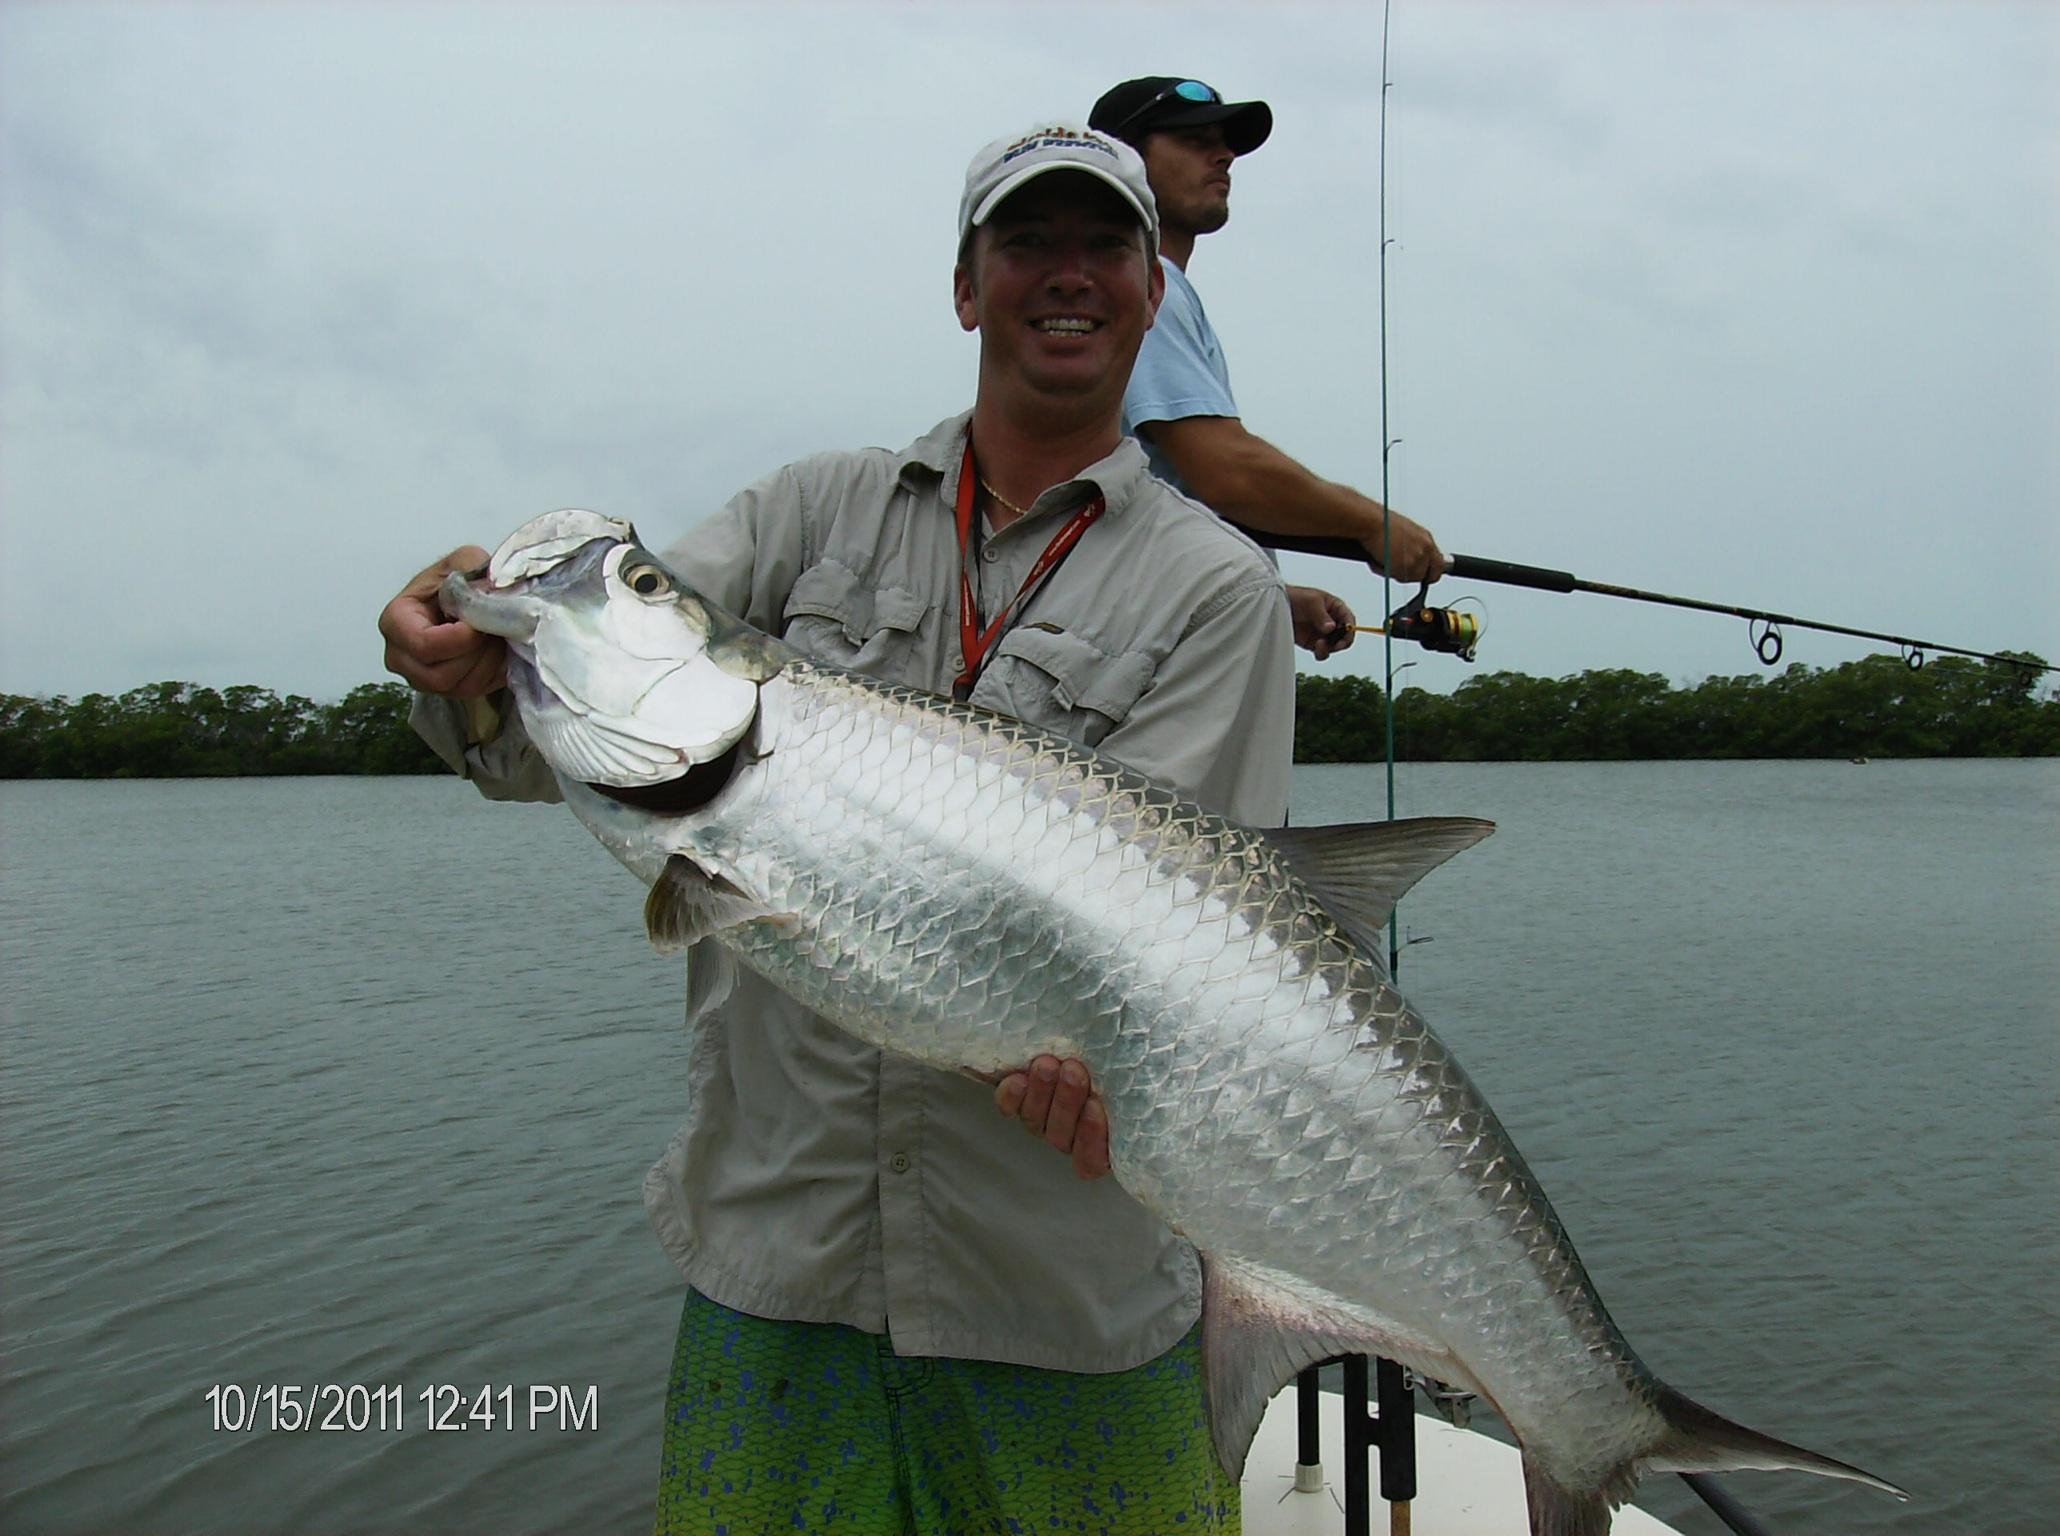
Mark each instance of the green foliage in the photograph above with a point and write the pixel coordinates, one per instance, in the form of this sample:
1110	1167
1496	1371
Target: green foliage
1339	720
1878	707
180	730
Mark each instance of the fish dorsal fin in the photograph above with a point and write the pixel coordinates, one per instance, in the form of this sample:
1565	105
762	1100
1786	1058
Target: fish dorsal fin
687	904
1258	1335
1361	868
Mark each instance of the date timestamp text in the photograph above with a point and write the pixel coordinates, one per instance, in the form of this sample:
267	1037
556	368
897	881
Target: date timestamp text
330	1407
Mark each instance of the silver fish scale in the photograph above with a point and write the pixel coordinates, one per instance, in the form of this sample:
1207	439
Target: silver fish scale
1269	1093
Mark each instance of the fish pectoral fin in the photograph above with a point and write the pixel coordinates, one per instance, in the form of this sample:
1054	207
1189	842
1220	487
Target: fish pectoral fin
1258	1334
688	904
1361	868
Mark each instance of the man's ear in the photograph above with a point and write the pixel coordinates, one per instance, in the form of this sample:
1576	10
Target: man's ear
962	296
1155	290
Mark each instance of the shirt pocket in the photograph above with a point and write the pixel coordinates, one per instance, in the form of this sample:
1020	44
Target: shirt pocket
1062	682
833	615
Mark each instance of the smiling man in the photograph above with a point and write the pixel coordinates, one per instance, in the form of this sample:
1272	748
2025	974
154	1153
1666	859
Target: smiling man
901	1316
1179	400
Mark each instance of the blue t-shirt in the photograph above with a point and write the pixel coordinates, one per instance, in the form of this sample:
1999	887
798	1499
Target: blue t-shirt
1180	371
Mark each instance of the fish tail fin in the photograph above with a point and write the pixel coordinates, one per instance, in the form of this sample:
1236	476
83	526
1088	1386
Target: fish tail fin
1694	1440
1697	1440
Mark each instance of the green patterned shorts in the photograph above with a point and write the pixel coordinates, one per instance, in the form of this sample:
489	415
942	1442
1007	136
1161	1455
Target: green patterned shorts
774	1426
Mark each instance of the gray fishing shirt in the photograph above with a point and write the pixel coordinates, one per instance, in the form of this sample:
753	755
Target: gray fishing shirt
816	1178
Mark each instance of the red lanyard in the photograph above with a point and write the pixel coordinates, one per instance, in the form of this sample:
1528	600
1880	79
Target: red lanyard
974	641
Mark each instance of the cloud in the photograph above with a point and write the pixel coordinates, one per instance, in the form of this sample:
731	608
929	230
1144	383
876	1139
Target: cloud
293	298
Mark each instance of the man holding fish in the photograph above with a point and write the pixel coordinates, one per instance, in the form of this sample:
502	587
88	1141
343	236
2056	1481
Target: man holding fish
895	1312
899	1322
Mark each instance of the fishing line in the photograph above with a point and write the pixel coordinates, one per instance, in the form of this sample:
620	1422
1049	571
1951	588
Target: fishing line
1387	448
1390	1429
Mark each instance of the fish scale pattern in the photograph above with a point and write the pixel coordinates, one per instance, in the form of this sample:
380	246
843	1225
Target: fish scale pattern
973	892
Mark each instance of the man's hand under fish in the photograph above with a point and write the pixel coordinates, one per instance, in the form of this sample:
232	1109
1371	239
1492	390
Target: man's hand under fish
1055	1100
433	651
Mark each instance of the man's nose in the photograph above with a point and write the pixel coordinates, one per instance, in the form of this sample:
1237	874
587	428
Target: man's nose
1069	271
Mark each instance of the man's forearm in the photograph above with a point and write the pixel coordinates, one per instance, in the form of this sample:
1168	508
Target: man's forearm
1248	480
501	761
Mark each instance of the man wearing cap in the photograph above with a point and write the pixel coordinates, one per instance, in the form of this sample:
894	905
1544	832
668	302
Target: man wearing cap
902	1316
1179	402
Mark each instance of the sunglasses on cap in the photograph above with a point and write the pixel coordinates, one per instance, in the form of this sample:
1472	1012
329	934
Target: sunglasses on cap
1187	90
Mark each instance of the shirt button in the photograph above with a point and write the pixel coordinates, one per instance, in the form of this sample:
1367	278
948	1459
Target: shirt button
898	1162
990	554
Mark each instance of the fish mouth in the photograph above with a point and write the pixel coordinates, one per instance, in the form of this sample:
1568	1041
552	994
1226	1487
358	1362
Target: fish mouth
509	612
496	598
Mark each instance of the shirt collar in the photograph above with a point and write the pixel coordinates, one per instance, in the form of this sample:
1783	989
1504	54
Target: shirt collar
937	451
935	456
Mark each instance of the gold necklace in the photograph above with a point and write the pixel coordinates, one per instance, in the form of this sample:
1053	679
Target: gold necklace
997	495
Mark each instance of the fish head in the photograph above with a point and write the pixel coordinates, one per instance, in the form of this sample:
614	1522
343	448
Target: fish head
626	677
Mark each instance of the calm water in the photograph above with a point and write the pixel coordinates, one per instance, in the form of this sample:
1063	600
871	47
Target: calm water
354	1081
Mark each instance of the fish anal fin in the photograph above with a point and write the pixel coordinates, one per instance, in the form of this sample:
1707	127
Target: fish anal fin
1556	1510
1258	1335
1360	869
688	904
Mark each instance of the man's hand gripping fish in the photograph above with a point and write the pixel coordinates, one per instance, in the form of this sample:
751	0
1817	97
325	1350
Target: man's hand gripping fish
961	888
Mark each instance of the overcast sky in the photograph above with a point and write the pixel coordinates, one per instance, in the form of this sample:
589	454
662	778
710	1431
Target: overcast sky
1759	302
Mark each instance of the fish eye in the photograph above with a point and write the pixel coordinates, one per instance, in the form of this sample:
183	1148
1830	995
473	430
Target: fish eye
647	580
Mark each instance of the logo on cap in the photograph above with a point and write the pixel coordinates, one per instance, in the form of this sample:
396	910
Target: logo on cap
1057	138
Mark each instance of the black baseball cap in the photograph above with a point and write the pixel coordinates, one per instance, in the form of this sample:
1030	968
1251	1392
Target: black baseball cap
1138	107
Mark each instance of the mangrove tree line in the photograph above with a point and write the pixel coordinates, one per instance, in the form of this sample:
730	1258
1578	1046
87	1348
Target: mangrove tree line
1877	707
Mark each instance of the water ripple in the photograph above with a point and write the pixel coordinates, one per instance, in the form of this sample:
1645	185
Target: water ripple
1780	1038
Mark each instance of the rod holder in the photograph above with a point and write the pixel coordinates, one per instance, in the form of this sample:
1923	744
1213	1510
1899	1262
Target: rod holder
1388	1426
1308	1434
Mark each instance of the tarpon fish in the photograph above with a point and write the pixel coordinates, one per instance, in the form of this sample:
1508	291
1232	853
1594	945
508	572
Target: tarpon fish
962	888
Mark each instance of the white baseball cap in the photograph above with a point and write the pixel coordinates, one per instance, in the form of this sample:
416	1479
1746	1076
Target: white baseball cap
1019	158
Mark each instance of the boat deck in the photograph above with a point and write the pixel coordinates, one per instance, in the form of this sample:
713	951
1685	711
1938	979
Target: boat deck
1467	1484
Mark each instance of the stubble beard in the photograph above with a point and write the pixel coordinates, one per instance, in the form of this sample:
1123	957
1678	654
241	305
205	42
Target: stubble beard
1198	217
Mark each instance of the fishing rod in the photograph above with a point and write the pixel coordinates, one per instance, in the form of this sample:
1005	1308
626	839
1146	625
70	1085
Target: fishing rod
1456	632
